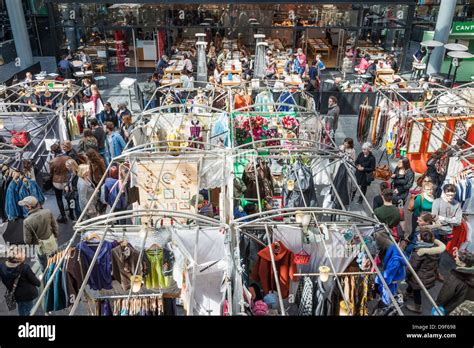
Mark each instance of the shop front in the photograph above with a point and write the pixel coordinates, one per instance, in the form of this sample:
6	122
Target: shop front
132	37
461	33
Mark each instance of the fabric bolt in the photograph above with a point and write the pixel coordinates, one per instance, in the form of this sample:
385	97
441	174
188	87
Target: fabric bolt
101	276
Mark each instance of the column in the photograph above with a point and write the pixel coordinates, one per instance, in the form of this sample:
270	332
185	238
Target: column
201	61
443	27
20	33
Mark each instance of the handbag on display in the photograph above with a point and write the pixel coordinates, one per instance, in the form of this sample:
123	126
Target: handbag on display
19	139
383	172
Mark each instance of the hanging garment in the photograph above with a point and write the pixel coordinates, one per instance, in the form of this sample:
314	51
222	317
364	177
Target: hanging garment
220	131
459	238
101	276
74	274
12	197
341	183
322	302
286	98
265	182
155	279
321	176
125	262
393	272
303	193
286	267
31	188
242	102
306	304
60	299
265	97
363	125
3	192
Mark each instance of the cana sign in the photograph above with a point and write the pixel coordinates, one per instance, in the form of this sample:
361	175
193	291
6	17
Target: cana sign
463	27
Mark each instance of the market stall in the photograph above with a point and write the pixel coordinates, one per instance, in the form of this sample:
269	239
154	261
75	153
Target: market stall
292	232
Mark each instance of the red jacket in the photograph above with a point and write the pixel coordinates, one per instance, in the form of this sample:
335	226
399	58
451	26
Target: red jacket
285	265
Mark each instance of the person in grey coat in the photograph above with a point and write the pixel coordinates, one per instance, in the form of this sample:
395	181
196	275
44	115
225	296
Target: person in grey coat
333	113
85	190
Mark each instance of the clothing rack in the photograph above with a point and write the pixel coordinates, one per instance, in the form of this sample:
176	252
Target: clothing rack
164	295
338	273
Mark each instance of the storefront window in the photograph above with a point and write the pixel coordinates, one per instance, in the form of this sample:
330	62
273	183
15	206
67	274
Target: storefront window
328	30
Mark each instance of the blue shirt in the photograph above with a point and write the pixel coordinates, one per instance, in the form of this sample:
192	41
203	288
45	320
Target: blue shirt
313	73
65	65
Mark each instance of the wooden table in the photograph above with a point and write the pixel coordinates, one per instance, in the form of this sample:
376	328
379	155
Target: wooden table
381	72
237	67
86	73
236	81
319	45
175	67
174	82
293	80
387	80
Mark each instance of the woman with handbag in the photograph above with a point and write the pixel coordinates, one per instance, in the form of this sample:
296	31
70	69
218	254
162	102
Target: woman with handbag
402	181
20	281
365	166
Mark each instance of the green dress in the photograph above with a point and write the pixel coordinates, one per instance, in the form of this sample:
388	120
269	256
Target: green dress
155	278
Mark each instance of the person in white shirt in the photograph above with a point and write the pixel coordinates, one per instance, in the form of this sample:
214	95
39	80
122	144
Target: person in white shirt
29	78
187	63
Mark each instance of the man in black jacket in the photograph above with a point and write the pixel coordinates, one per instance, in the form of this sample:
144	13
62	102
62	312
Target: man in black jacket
459	285
99	134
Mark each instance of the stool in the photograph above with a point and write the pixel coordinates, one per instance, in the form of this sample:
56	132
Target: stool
99	68
101	80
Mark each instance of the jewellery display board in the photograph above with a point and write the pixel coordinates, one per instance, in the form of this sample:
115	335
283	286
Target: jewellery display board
436	136
167	185
416	134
